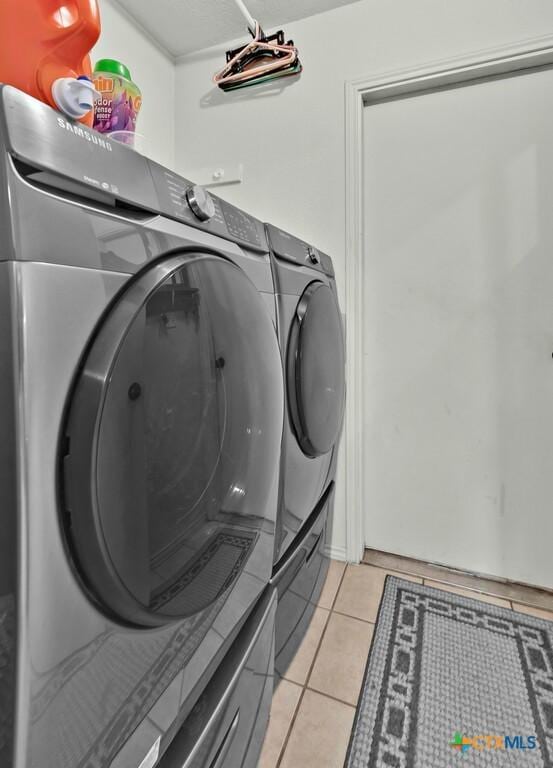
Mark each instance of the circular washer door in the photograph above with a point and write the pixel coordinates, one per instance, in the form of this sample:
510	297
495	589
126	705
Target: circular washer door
316	377
172	441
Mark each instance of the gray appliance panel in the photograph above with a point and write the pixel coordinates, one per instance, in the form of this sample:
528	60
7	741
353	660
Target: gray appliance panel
303	479
108	171
292	280
82	692
288	248
38	135
8	505
228	221
299	582
227	726
101	238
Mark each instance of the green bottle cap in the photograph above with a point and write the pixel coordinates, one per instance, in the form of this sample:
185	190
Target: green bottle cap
114	67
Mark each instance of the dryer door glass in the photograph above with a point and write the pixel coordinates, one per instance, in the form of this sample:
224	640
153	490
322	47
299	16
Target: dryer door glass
173	440
316	376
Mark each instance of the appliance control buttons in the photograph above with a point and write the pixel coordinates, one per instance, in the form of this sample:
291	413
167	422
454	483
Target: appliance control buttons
241	226
200	202
314	257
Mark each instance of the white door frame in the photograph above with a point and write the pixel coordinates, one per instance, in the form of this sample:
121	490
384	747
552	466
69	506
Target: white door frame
360	93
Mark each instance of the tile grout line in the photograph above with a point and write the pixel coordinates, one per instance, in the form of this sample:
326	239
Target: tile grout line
442	571
465	588
451	580
304	686
510	601
349	616
394	570
333	698
329	611
436	580
475	594
323	633
339	586
289	731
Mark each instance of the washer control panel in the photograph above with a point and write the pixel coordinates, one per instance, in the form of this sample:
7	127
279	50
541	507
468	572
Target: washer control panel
240	225
39	137
181	199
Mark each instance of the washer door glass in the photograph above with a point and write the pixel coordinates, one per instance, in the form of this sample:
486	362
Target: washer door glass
173	439
316	376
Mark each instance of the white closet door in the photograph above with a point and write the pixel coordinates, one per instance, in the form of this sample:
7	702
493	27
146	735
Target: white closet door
459	327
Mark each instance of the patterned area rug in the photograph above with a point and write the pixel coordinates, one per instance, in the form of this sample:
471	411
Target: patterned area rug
452	681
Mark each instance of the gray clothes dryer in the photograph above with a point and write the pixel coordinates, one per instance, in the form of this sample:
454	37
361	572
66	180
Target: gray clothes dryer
139	473
313	358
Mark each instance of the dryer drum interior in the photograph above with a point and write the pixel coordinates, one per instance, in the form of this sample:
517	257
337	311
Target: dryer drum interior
315	370
169	448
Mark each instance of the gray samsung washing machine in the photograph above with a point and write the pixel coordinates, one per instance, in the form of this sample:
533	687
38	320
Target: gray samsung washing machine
139	472
311	339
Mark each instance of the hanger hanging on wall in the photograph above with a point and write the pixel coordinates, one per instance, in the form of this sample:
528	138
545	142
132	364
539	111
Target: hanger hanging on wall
265	58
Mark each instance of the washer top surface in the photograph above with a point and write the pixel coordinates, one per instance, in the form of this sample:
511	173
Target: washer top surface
74	162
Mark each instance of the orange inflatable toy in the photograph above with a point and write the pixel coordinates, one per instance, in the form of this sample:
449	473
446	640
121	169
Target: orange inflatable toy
44	51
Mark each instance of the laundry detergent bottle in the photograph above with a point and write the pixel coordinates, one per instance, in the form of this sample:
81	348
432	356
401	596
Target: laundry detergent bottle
119	100
44	51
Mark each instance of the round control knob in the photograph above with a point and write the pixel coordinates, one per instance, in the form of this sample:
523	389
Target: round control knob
200	202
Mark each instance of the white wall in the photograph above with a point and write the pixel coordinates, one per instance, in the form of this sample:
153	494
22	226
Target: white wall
291	139
151	69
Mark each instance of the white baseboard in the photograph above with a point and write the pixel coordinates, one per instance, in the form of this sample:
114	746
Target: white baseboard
335	552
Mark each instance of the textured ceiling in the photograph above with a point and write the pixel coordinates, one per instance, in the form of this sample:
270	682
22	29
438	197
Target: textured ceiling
183	26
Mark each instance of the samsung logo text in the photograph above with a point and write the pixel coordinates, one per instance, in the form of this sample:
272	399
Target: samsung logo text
78	130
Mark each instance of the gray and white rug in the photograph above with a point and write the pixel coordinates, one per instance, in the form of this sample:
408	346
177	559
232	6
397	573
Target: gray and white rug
452	681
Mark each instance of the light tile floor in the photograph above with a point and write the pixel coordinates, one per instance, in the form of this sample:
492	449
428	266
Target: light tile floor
314	705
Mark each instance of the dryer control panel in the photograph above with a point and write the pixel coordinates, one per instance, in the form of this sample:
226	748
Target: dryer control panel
286	246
